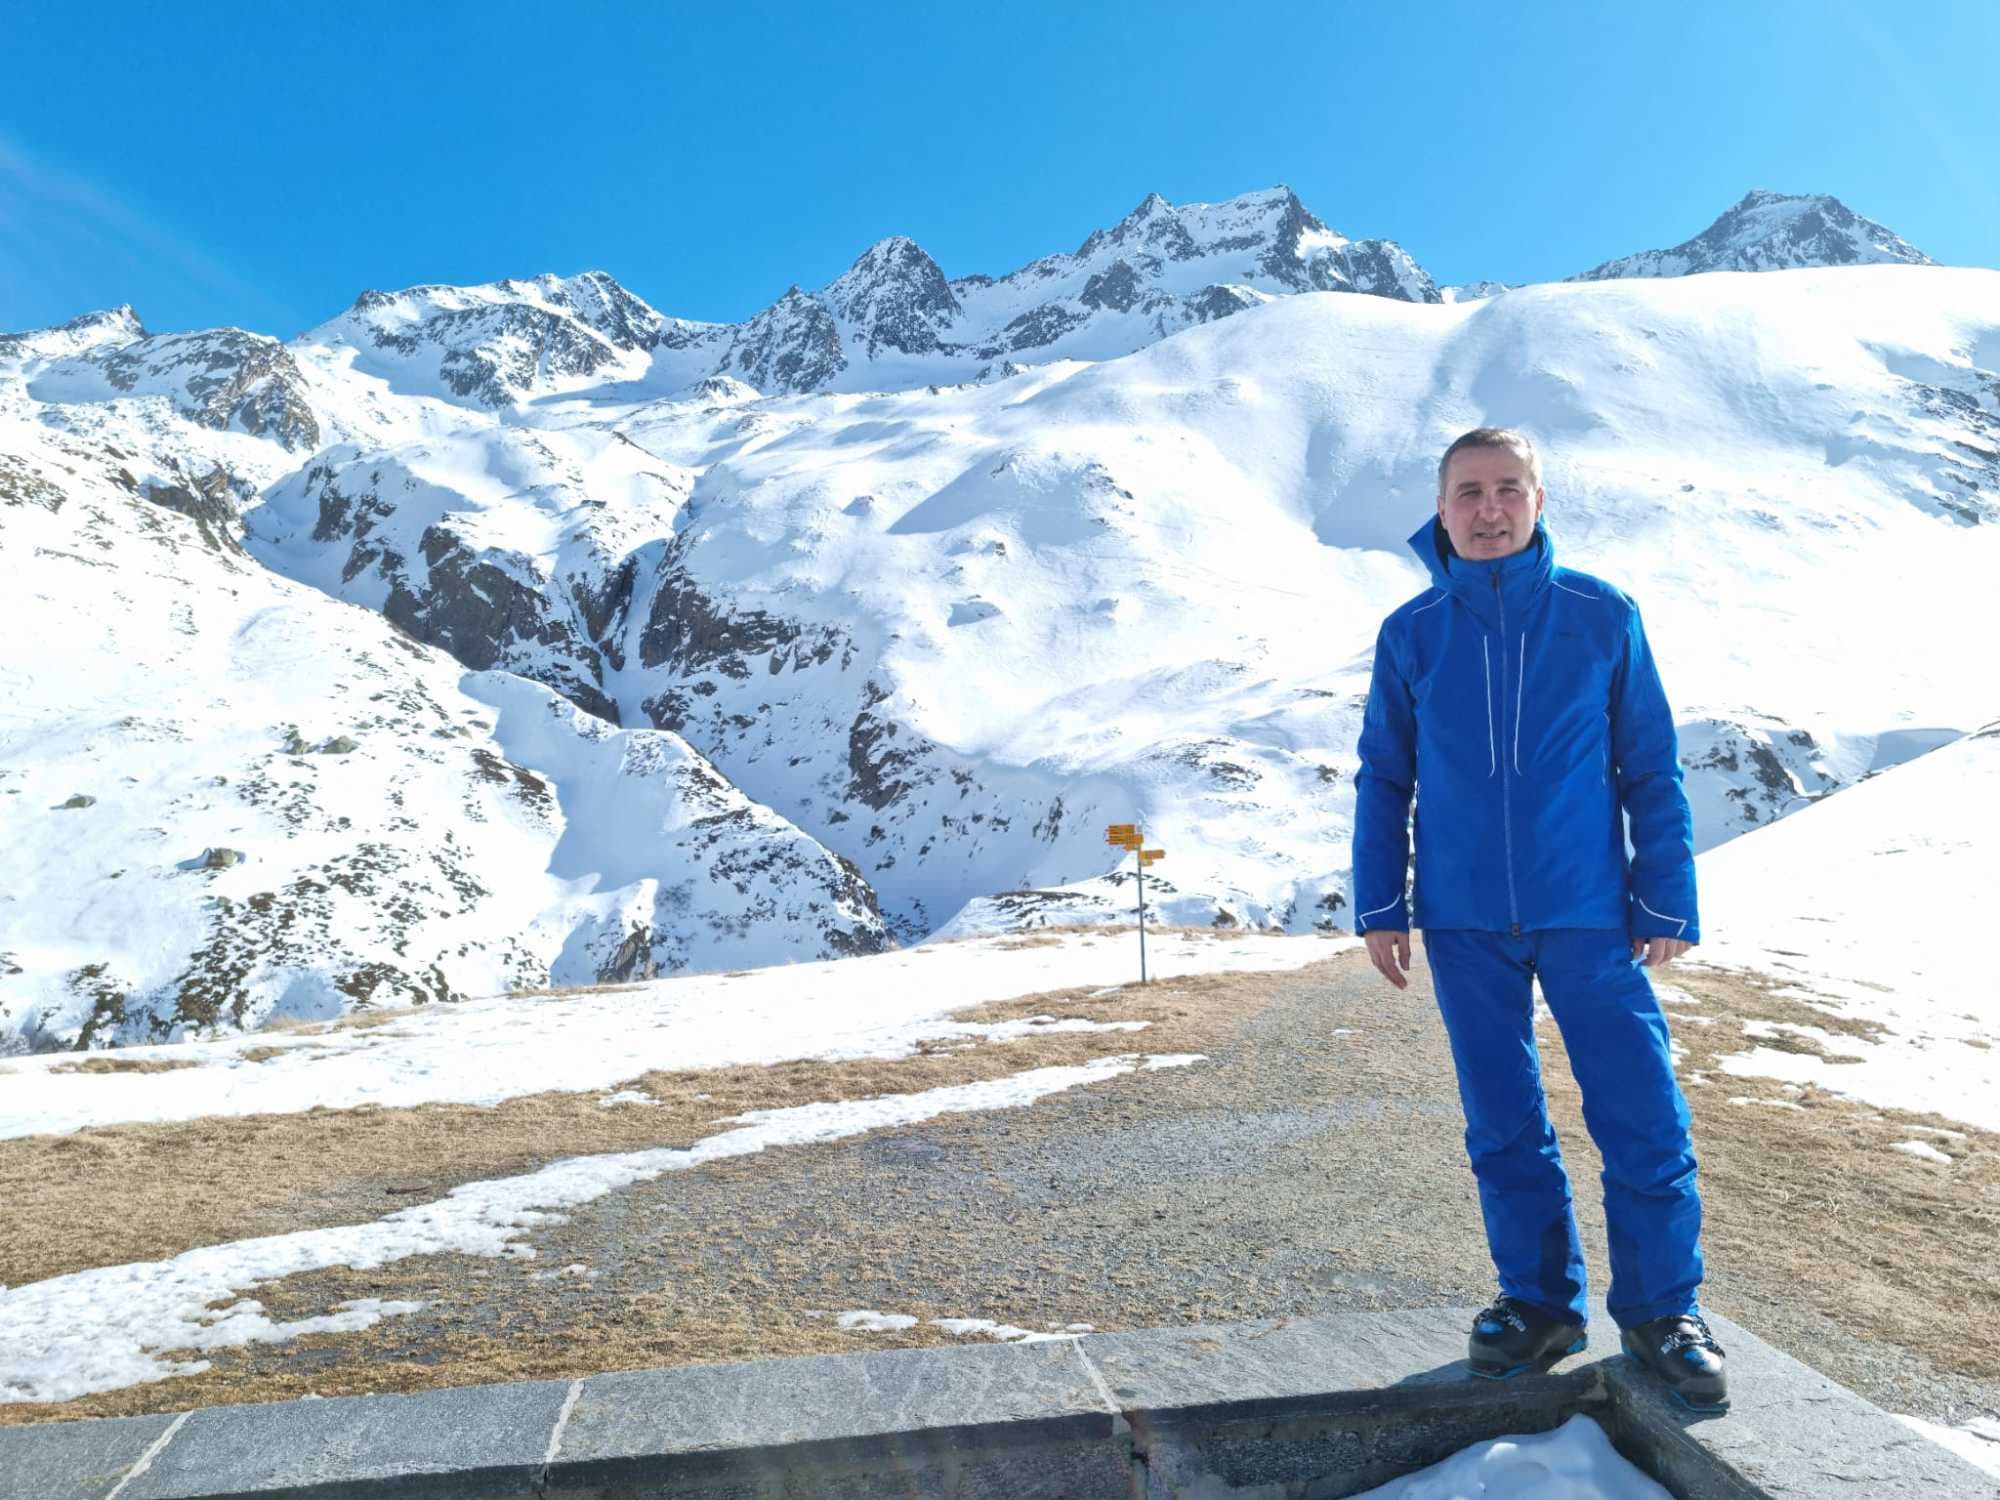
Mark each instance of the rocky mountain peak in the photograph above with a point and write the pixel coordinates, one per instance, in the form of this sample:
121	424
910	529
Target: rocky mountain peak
894	295
596	299
119	322
497	341
1767	231
104	328
1151	204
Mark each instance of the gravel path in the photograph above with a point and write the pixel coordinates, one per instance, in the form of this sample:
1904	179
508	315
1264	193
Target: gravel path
1315	1163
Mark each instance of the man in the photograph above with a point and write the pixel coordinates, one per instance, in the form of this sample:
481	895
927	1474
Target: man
1519	703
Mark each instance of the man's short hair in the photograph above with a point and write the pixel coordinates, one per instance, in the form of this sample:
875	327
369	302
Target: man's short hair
1495	437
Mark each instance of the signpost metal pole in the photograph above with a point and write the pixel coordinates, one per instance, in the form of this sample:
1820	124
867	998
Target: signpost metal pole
1142	914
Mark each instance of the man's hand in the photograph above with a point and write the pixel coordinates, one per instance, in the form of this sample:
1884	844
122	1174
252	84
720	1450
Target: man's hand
1659	951
1390	953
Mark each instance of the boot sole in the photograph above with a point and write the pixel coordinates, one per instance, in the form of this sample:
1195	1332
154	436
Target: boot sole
1508	1372
1702	1408
1711	1406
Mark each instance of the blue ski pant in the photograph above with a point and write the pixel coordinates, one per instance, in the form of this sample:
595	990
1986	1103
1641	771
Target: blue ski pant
1616	1036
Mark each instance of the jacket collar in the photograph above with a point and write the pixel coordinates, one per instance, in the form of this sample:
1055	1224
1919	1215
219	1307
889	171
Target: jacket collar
1523	576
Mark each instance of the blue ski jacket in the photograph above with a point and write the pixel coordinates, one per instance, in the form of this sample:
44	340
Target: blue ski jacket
1517	702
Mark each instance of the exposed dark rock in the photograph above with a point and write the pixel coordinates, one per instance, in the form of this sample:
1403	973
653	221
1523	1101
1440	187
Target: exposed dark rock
605	607
1328	903
22	485
508	352
1117	288
222	377
479	612
528	787
208	502
633	960
879	770
691	632
80	800
895	297
793	345
1214	302
1040	326
108	999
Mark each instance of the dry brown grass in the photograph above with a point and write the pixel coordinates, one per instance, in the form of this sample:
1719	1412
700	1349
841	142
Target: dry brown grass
110	1064
1813	1205
533	1340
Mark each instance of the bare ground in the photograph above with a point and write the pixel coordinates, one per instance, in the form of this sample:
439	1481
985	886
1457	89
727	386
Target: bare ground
1314	1163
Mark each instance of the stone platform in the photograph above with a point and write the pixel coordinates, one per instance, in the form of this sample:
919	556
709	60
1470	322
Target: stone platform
1296	1409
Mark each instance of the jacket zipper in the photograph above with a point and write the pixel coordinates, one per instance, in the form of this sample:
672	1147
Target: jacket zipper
1506	799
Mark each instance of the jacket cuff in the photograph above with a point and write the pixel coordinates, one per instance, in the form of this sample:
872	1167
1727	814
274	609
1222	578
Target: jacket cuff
1651	921
1395	917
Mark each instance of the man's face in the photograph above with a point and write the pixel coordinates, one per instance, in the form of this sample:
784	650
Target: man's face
1489	505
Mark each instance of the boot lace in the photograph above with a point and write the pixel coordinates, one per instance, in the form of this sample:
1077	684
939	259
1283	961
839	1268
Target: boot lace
1688	1331
1507	1312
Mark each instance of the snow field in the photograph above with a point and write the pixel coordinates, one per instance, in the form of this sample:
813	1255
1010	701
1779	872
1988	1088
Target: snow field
485	1051
1874	905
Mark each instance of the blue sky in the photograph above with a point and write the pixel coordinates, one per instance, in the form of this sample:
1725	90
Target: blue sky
261	165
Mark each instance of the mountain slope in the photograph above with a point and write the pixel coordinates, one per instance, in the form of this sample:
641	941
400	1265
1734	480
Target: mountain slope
228	798
1873	907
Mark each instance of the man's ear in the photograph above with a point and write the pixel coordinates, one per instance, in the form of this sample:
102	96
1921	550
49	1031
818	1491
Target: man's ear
1540	495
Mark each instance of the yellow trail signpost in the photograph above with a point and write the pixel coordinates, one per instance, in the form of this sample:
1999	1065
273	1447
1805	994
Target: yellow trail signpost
1127	836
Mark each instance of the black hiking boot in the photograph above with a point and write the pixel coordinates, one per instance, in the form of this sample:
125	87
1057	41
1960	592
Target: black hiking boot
1511	1336
1684	1354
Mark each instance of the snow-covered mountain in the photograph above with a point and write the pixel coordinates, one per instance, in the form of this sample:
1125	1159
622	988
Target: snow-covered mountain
1161	268
1772	232
892	319
929	625
226	797
885	661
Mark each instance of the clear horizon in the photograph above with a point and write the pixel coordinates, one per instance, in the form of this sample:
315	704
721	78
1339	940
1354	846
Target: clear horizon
710	161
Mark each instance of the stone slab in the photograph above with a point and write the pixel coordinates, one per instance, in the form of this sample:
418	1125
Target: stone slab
74	1460
1340	1405
1100	1470
900	1408
472	1443
1790	1434
1371	1361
